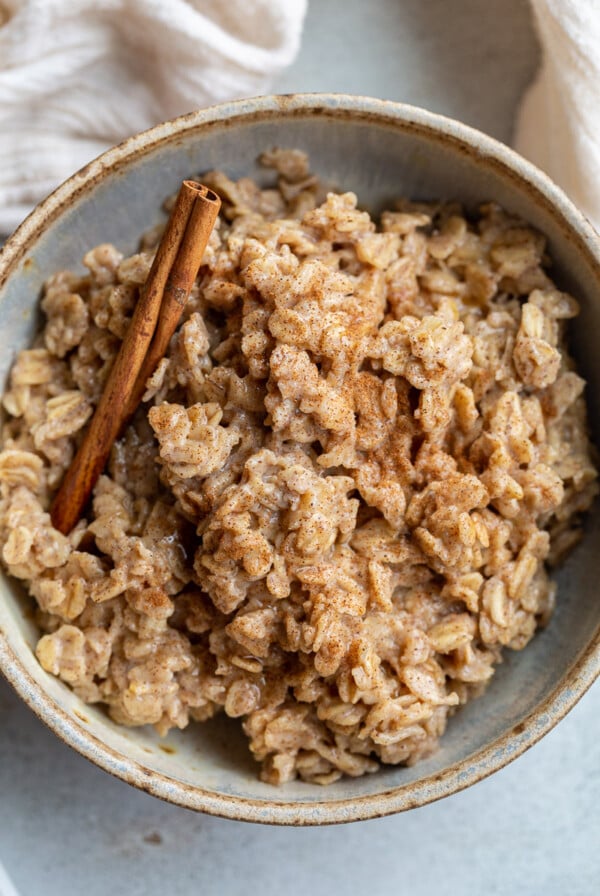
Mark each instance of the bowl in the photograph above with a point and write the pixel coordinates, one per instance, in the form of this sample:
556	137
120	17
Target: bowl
379	150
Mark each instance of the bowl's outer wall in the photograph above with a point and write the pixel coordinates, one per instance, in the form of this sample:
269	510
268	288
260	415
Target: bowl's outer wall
379	161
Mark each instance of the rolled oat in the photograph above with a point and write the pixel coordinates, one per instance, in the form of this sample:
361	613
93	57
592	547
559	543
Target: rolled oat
361	450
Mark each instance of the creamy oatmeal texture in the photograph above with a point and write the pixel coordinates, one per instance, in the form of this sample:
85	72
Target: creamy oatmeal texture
336	508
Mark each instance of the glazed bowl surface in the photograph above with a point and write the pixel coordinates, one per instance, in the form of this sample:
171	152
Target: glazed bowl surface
379	150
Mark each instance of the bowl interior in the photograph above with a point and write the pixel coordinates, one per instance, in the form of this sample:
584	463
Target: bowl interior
380	159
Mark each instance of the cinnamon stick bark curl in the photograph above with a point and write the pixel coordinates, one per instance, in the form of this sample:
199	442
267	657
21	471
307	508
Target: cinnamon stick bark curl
154	320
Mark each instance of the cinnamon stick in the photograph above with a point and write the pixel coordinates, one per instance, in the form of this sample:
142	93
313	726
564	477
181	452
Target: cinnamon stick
179	283
172	272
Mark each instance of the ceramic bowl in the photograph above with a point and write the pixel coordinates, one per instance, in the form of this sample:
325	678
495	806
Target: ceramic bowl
379	150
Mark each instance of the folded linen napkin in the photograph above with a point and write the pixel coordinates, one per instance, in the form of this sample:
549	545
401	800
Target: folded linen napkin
558	125
77	76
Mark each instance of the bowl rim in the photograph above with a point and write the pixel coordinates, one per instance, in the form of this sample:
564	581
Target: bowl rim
482	150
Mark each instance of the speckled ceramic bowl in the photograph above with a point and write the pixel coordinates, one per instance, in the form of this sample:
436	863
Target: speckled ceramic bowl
379	150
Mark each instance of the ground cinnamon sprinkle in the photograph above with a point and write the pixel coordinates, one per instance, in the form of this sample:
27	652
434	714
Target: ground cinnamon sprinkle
362	448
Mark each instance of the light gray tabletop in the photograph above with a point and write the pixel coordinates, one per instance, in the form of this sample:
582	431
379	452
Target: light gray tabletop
68	829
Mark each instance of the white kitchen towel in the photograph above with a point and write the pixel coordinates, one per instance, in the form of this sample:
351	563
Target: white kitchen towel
558	125
77	76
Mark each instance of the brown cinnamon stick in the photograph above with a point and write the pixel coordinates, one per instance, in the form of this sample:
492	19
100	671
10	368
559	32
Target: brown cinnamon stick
179	283
173	273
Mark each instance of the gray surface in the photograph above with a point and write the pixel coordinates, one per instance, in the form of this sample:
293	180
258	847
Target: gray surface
67	828
469	59
530	829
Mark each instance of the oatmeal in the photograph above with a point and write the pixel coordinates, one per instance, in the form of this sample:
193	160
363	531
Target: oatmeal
337	506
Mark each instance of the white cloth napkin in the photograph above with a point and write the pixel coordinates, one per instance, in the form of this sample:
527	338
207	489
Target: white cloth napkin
77	76
558	126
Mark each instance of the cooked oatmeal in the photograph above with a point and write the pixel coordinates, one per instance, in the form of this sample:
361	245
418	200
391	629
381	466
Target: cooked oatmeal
336	507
